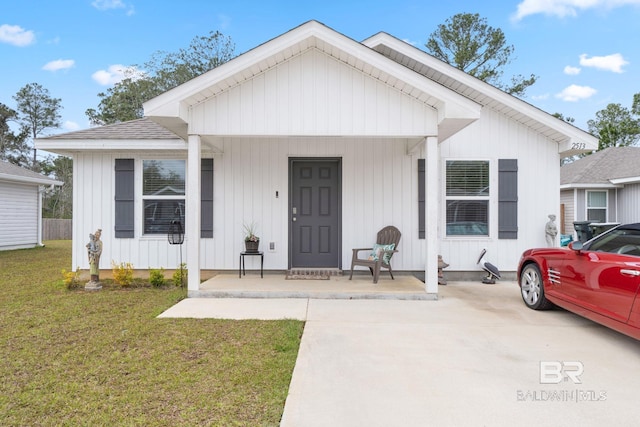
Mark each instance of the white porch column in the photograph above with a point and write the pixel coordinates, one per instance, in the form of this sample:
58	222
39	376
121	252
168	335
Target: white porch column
432	203
192	229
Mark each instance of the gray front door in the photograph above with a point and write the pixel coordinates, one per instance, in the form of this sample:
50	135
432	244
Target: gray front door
314	213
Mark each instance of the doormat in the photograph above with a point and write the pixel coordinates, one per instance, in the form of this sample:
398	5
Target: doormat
307	275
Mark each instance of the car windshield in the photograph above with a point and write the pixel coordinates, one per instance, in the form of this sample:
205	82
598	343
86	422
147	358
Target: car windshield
619	240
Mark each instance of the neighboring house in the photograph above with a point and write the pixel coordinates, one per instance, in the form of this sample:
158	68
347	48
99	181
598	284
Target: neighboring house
21	206
601	187
322	141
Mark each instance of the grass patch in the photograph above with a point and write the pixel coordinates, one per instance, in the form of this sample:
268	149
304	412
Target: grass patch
73	357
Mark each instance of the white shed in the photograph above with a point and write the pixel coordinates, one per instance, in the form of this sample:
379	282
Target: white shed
322	141
21	206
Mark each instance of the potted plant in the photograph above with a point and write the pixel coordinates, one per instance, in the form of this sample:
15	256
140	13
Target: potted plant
251	241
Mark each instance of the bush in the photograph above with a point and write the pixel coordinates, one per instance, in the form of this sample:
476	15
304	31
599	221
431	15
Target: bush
156	277
71	279
180	275
122	273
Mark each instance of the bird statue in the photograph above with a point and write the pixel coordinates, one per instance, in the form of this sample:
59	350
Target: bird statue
492	271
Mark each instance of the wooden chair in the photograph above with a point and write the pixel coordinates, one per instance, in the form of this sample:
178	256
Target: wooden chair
389	235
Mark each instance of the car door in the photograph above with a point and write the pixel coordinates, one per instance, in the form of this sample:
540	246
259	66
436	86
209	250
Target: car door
602	282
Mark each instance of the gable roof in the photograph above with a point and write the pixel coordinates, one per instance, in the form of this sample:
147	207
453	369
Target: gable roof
171	109
568	136
457	96
11	172
611	167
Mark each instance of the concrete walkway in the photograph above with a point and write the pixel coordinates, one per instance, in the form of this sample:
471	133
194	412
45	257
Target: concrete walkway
472	358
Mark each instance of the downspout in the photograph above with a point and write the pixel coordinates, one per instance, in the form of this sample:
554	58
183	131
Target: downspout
41	191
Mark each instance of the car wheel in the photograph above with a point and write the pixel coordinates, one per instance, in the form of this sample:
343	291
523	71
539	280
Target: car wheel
532	288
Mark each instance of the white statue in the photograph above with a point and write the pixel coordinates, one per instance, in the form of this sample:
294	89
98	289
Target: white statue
551	231
94	250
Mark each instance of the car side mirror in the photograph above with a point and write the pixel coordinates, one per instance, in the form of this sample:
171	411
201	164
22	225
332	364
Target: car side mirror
576	246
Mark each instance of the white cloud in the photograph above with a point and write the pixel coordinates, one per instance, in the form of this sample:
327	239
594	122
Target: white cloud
16	35
562	8
113	4
540	97
575	93
116	73
60	64
70	126
612	63
572	71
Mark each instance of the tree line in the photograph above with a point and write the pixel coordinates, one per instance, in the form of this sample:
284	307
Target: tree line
465	41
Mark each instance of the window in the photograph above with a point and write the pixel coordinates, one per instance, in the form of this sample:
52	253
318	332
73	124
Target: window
467	197
163	194
597	206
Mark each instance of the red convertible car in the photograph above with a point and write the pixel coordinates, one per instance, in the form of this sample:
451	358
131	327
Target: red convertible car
599	279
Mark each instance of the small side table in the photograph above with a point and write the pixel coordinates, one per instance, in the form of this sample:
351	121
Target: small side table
241	271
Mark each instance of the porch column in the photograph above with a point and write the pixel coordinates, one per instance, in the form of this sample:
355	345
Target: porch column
192	229
432	198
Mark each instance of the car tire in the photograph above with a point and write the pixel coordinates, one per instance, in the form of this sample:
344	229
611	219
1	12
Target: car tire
532	288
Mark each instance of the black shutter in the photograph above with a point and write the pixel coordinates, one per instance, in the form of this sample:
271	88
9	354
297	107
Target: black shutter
507	198
124	198
421	199
206	199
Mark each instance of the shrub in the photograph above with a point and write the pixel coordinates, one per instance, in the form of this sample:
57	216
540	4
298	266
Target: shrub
180	275
156	277
122	273
71	279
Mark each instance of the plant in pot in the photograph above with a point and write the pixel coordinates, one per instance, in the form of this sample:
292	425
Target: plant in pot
251	241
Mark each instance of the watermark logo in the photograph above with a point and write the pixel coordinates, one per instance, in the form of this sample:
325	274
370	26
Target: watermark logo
555	372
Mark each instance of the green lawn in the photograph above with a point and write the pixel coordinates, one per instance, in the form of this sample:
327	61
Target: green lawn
101	358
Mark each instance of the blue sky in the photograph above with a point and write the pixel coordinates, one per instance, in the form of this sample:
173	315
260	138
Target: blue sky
585	52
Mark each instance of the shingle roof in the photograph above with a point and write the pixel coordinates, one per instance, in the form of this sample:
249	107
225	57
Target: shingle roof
603	166
8	170
135	129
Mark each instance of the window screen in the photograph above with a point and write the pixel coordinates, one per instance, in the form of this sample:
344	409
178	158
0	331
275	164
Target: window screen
467	194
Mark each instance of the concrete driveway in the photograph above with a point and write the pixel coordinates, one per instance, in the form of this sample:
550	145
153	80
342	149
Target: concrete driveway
475	357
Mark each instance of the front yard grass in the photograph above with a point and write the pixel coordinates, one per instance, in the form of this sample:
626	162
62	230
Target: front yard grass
80	358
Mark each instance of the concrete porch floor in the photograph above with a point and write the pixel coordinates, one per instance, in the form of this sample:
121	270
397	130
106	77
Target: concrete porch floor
274	285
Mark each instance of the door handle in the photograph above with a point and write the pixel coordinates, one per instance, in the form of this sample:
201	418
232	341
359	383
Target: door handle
627	272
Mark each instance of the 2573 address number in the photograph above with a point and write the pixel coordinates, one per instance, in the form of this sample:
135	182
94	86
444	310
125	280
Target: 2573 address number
578	146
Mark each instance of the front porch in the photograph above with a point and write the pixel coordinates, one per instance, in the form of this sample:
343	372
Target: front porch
406	286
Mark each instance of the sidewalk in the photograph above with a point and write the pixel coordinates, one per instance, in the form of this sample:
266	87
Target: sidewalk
471	358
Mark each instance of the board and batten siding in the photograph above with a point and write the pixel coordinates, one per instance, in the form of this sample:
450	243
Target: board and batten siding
628	204
492	138
18	215
379	188
313	94
251	183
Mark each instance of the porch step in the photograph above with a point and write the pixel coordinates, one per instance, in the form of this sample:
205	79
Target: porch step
314	272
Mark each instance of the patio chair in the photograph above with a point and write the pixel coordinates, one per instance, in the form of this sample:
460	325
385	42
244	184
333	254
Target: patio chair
380	254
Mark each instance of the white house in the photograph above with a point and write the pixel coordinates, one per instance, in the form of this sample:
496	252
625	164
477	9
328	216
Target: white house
603	187
322	141
21	206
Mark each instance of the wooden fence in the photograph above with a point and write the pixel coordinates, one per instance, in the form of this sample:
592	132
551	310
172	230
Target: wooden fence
56	229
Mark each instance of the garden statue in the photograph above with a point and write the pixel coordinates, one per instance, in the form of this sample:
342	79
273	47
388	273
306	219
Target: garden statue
441	265
551	231
94	250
